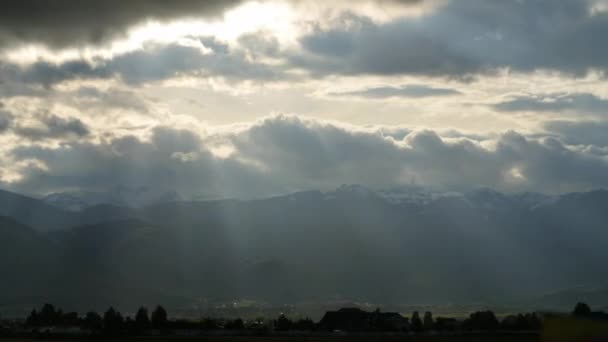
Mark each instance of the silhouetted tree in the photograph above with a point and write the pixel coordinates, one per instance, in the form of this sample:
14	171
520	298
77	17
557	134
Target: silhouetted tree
69	319
428	322
159	318
581	309
305	324
236	324
529	321
534	321
482	320
112	321
93	322
282	323
142	321
209	324
416	324
258	324
445	324
33	319
48	315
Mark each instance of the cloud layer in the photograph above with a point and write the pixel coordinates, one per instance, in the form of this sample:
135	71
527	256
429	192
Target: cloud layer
413	90
464	38
286	153
450	94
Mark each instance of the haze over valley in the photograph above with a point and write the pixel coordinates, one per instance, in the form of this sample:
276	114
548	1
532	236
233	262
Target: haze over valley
406	246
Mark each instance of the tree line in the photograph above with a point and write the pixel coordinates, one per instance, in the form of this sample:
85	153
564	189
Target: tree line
112	322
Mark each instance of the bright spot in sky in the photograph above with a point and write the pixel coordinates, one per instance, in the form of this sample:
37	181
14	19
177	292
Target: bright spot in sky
516	175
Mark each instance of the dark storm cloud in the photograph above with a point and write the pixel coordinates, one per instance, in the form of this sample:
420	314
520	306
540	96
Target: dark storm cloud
62	23
52	126
579	102
414	91
464	38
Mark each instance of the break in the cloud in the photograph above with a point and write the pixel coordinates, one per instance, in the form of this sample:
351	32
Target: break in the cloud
413	90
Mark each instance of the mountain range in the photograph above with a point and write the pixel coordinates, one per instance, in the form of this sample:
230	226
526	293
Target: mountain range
393	246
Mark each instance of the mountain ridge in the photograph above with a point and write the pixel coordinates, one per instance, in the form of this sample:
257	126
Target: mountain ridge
357	244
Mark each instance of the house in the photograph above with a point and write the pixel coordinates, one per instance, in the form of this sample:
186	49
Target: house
355	319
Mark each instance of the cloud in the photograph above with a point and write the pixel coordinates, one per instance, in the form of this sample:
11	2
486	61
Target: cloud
47	126
47	74
134	163
463	38
155	62
286	153
65	23
167	61
110	98
458	39
577	102
413	90
5	119
580	132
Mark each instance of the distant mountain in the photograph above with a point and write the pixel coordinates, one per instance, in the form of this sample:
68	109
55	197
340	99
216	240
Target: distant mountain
563	299
34	212
119	196
41	216
65	201
393	246
27	262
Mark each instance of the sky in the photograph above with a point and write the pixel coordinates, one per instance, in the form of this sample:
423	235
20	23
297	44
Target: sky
217	99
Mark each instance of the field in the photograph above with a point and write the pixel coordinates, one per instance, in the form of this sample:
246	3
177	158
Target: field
452	338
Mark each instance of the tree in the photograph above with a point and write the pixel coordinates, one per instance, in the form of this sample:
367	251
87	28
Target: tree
142	321
209	324
305	324
282	323
581	309
445	324
416	324
33	319
48	315
69	319
93	322
534	322
482	320
428	321
112	321
159	318
236	324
